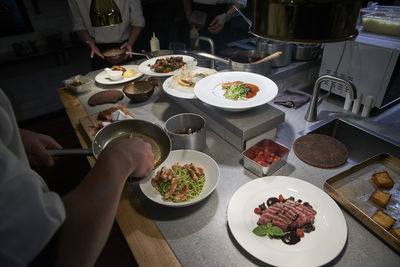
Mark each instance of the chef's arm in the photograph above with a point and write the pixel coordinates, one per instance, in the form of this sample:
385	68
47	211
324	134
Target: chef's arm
133	35
91	207
85	37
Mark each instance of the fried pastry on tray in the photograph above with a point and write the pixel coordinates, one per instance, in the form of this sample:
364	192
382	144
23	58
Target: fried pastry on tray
396	232
380	198
382	179
383	219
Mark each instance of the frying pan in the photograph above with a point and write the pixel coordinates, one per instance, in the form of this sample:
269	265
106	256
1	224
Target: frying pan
148	131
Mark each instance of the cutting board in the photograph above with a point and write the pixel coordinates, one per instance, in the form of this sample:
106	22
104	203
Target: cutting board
93	123
320	150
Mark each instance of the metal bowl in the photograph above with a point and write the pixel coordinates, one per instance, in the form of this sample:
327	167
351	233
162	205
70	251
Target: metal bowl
114	55
138	91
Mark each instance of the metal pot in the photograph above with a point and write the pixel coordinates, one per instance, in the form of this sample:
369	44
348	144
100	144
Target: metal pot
187	131
304	52
148	131
241	61
306	21
271	46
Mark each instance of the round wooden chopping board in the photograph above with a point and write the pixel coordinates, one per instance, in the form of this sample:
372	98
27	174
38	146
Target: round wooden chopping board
320	150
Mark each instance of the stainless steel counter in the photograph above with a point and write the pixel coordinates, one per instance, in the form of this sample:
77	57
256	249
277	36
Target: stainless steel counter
199	235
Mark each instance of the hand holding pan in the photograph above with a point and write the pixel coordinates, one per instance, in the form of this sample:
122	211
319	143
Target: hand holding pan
148	131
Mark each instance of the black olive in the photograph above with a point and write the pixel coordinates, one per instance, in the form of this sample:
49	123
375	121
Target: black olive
299	200
272	201
262	206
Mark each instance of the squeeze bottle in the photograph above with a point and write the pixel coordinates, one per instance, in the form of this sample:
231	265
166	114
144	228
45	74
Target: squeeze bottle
154	43
194	33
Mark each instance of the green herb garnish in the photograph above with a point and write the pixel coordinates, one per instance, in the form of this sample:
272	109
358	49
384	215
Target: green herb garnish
271	231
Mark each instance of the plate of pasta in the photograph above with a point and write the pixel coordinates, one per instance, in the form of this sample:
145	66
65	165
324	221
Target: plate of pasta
186	177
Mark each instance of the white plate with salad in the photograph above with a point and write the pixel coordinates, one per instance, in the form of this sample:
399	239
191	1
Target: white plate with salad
182	157
235	90
316	248
160	66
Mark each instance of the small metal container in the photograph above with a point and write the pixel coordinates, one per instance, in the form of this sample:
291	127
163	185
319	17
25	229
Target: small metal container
187	131
272	147
304	52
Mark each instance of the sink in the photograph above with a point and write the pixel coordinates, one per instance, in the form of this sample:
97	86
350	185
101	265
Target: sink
360	141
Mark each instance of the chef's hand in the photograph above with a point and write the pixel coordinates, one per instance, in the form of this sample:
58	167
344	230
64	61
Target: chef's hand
94	49
217	24
132	156
128	48
36	146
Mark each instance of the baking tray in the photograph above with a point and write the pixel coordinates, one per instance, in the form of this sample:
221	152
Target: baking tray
353	187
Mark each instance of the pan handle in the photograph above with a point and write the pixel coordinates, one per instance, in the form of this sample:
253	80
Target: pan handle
207	55
70	152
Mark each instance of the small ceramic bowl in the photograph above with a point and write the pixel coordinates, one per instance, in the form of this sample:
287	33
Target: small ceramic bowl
114	55
138	91
115	75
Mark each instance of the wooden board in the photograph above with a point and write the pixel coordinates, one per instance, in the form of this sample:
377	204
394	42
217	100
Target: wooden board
92	124
320	150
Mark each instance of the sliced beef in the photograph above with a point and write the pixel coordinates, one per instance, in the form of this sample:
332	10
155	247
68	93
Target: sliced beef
287	215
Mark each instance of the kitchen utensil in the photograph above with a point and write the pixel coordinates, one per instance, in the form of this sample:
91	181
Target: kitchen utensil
114	55
310	22
240	61
267	58
147	55
138	91
187	131
304	52
243	16
271	46
320	150
271	147
148	131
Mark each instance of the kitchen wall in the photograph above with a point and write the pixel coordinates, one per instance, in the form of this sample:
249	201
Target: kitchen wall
31	81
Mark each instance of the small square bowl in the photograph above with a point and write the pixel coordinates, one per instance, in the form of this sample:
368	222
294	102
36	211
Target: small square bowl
255	159
79	84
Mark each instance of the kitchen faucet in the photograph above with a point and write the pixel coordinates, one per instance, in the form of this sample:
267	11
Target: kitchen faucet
212	47
311	114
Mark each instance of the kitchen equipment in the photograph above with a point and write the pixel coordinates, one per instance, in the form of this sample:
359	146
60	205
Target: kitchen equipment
304	52
320	150
138	91
371	62
306	21
187	131
268	58
265	146
114	55
352	188
381	19
271	47
148	131
240	61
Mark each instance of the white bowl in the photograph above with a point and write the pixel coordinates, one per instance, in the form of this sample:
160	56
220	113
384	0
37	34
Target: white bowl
115	75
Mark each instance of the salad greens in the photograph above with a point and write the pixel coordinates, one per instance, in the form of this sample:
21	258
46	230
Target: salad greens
235	91
271	231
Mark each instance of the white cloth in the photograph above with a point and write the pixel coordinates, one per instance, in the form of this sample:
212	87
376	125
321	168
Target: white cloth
214	2
131	12
29	214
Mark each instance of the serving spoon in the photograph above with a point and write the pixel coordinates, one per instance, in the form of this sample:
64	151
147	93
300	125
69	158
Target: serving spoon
270	57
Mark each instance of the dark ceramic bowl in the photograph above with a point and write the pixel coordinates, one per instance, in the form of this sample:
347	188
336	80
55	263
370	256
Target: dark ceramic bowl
138	91
114	55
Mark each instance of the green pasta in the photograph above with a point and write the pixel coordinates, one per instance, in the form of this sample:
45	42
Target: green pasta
194	189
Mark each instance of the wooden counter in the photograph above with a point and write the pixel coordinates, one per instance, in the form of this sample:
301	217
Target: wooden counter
143	237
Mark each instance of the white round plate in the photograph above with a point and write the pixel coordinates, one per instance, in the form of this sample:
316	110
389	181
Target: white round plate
209	165
209	90
102	77
144	66
315	248
173	88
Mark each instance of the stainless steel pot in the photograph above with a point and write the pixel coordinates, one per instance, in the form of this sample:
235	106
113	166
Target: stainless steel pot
241	61
271	47
304	52
306	21
148	131
187	131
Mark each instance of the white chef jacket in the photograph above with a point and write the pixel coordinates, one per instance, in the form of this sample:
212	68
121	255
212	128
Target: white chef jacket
131	12
29	213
